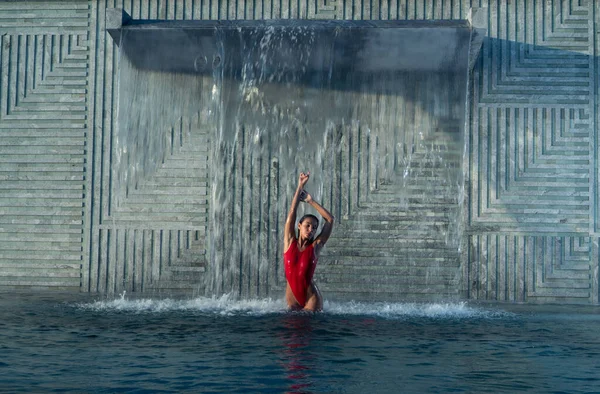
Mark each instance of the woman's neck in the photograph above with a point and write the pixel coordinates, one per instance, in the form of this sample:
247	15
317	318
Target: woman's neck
303	242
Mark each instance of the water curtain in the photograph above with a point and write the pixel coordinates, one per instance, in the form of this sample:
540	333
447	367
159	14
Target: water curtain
375	110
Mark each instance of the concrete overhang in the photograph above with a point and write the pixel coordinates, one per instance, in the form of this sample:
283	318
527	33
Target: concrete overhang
201	47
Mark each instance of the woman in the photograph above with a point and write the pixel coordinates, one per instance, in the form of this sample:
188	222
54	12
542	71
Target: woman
302	252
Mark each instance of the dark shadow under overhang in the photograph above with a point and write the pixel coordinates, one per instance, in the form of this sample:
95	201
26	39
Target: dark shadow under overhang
366	47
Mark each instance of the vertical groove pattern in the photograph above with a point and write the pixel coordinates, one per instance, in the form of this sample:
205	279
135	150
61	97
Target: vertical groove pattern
44	53
531	176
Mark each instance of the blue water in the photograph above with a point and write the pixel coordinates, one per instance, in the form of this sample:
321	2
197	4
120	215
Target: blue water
80	344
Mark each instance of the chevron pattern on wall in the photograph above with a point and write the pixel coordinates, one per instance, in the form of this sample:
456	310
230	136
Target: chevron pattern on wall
532	268
154	236
532	170
44	56
531	154
531	208
539	58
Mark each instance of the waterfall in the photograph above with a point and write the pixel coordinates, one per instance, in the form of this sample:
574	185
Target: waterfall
374	112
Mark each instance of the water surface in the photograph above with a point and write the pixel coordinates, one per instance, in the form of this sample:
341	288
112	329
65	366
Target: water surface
77	343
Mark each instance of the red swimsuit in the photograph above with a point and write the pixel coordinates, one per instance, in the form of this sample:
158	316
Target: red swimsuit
299	269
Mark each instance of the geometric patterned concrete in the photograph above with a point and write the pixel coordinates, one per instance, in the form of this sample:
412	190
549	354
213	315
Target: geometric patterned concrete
527	268
157	231
533	157
532	222
44	58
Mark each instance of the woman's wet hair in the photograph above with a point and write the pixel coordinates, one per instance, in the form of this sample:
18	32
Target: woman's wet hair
308	215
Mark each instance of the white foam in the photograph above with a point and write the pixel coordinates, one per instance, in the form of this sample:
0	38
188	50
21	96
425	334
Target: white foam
224	305
406	310
228	305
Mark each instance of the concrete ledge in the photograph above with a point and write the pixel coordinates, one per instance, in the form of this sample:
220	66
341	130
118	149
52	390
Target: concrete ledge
477	18
116	18
193	47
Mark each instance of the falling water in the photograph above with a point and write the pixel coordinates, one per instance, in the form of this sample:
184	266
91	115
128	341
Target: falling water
376	121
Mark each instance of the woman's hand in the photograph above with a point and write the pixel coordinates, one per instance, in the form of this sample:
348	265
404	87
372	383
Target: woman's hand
307	197
303	179
304	196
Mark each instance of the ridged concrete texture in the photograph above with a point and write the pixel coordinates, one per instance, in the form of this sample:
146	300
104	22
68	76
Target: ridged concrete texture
530	228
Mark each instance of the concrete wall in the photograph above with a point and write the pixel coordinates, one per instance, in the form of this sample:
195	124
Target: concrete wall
531	224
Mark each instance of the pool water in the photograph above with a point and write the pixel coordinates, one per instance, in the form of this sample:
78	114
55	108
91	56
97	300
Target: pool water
80	344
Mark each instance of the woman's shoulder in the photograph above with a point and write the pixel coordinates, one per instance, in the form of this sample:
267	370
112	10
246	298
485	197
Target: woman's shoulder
290	246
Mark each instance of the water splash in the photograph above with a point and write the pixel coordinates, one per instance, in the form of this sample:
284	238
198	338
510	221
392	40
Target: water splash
459	310
228	305
224	305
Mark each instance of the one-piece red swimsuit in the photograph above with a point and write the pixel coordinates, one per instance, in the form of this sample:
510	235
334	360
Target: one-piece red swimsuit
299	269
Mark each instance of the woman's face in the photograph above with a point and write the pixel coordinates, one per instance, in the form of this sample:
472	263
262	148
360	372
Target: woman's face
308	228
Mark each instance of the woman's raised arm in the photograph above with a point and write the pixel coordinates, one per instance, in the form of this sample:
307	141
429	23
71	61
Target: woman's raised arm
327	226
289	234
